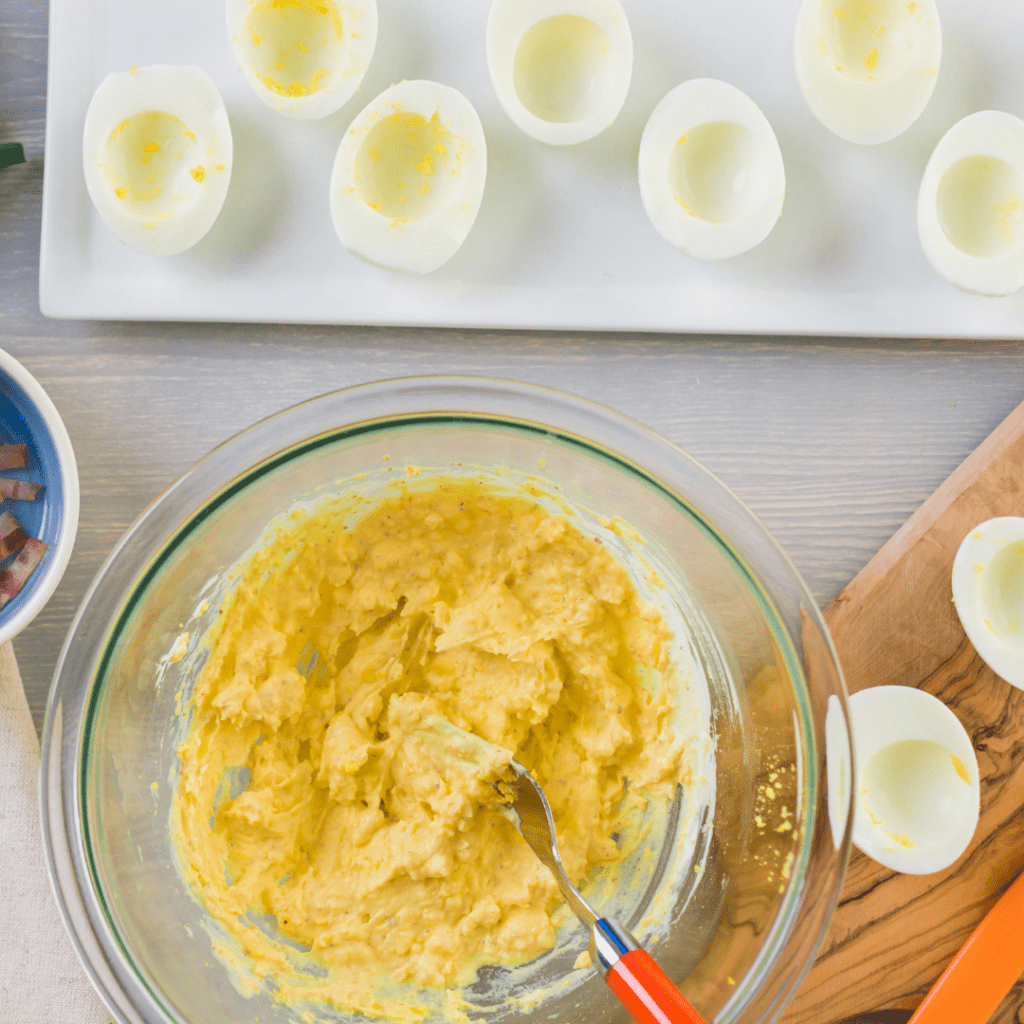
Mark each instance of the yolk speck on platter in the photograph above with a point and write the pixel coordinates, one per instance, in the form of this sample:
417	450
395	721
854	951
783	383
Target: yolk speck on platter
365	689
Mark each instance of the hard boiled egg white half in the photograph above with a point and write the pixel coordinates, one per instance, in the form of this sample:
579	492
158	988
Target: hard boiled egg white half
303	58
711	173
970	210
917	794
408	177
988	590
157	156
867	68
561	68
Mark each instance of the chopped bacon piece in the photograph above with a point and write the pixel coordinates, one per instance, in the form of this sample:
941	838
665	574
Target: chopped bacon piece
13	456
12	536
13	579
18	490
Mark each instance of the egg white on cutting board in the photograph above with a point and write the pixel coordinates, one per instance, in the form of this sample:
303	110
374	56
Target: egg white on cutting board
303	58
561	239
988	591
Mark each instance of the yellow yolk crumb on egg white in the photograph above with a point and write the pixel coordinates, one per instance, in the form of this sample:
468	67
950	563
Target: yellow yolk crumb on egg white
404	169
143	171
364	689
867	68
303	58
408	178
291	42
147	137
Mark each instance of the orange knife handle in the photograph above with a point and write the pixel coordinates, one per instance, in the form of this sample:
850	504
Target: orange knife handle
986	968
645	991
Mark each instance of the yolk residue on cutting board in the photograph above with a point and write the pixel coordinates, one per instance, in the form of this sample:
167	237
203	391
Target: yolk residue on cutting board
327	785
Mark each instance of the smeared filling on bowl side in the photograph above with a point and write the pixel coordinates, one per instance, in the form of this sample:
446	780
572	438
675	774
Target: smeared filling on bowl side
332	813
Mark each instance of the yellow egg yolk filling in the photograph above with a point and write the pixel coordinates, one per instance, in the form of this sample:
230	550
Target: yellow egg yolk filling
364	688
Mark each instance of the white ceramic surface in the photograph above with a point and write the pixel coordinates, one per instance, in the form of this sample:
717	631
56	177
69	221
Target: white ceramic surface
561	240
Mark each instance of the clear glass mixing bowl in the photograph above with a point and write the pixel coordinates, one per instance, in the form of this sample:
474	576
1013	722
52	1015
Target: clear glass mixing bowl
744	927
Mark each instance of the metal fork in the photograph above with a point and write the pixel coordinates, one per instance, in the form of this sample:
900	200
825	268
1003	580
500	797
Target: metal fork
630	972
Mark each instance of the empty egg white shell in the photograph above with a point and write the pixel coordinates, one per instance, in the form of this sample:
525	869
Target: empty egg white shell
408	177
561	68
303	58
867	68
712	178
917	795
970	209
988	591
157	151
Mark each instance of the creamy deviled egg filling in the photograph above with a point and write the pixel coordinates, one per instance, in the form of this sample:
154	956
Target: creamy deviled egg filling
341	802
304	58
408	178
561	68
711	173
867	68
157	156
970	212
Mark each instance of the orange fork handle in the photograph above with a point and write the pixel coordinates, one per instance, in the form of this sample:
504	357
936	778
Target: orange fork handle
644	990
986	968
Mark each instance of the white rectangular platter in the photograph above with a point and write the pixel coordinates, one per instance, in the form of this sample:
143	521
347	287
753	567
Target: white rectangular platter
562	240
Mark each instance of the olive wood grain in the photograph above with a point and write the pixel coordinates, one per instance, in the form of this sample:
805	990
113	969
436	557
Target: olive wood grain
893	935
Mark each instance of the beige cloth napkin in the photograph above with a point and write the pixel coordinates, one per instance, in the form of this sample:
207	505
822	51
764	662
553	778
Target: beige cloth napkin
41	980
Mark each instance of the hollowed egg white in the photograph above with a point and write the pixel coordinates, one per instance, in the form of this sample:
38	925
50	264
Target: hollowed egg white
157	153
916	795
867	68
988	590
408	177
303	58
561	68
712	178
970	209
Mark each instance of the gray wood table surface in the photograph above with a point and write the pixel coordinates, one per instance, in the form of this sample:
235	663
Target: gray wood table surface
832	442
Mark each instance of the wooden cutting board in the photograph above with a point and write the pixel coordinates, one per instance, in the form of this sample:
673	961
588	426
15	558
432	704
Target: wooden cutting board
892	934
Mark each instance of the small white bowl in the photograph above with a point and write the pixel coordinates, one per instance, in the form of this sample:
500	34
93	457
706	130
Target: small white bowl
27	415
988	591
917	796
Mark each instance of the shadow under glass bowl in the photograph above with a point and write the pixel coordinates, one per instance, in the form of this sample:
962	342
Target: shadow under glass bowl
746	921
